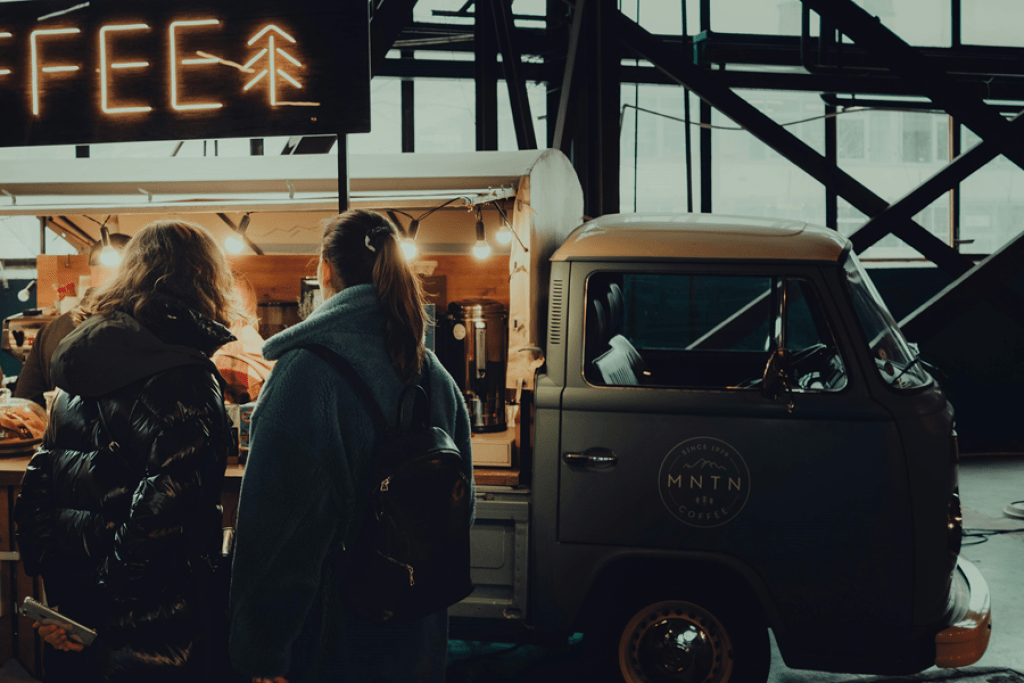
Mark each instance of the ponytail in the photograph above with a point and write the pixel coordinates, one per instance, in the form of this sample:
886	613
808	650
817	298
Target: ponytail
401	299
362	247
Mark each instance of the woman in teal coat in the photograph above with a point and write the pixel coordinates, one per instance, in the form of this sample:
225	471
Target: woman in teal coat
306	480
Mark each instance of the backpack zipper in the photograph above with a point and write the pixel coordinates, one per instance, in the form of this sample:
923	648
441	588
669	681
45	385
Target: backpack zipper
407	567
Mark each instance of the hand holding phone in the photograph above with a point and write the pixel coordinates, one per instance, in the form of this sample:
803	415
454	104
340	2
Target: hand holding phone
47	615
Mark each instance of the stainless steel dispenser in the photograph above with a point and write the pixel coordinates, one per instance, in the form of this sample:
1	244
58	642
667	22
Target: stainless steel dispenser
476	351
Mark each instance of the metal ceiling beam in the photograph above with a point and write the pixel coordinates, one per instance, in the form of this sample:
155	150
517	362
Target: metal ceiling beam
388	19
967	62
913	66
760	80
983	281
595	137
486	70
512	66
79	237
565	94
705	83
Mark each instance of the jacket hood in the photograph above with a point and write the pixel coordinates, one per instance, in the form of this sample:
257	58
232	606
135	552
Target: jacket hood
346	321
107	352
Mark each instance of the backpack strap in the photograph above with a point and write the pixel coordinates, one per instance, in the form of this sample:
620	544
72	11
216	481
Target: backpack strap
345	369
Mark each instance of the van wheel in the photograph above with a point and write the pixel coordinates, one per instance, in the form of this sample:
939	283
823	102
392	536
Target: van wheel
674	641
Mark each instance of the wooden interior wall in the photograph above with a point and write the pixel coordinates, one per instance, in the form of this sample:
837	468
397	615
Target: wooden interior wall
57	272
468	277
277	277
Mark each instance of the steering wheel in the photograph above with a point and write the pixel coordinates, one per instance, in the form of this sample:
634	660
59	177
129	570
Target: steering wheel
813	365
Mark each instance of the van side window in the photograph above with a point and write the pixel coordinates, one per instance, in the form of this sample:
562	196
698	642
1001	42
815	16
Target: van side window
672	330
705	332
815	362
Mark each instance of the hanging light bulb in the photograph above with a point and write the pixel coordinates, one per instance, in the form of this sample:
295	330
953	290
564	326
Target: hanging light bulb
233	243
109	256
409	248
504	236
24	293
481	249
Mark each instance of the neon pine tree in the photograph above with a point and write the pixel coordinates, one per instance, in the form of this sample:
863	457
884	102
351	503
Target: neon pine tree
275	56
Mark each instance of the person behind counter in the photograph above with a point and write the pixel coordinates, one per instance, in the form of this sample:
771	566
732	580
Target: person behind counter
300	492
241	362
118	509
34	378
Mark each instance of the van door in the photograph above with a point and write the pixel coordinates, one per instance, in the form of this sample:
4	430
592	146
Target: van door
668	442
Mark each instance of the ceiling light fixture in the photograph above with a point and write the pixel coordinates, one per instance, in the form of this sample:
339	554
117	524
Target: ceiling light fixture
234	243
481	249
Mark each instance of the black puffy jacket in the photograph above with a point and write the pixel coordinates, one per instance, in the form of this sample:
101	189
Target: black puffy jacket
118	508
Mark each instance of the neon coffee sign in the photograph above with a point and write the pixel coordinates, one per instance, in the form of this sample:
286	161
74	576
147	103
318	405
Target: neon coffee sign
114	71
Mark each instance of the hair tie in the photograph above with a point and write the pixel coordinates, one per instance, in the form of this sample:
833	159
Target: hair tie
368	245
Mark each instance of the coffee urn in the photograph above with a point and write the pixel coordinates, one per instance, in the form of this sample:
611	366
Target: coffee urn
475	351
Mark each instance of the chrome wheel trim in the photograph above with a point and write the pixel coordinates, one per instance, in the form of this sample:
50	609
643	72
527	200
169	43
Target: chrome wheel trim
707	644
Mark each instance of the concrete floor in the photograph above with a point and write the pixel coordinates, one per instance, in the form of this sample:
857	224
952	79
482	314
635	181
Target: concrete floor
987	485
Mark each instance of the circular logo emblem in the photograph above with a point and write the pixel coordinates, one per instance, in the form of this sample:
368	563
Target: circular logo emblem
704	482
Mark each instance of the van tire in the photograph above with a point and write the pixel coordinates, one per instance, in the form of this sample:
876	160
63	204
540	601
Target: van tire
726	643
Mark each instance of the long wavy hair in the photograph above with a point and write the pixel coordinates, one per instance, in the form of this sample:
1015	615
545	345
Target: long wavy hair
362	247
170	258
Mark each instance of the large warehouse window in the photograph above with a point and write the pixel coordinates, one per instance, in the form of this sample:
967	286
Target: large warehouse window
653	149
751	179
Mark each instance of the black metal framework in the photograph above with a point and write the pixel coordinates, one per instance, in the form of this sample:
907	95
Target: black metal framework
579	54
583	66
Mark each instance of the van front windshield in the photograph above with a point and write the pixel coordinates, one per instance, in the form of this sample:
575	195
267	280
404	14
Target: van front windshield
897	364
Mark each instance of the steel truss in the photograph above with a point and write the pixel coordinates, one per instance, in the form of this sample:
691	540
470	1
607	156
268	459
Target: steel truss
582	49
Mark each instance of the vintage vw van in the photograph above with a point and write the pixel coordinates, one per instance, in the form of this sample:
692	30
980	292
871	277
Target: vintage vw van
731	434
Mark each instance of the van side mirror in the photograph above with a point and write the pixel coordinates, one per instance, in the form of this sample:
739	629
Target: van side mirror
777	376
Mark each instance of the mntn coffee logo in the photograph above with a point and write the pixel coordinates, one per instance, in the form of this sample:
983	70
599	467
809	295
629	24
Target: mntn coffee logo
704	482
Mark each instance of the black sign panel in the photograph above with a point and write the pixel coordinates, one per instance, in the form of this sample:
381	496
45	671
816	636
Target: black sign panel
75	73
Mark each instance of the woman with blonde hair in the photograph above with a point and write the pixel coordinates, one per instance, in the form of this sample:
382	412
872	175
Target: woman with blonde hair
307	479
118	508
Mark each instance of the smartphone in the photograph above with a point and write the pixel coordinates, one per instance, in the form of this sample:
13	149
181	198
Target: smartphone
47	615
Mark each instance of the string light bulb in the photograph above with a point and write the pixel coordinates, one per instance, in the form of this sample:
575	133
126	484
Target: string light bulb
481	249
24	293
504	235
233	243
409	248
109	256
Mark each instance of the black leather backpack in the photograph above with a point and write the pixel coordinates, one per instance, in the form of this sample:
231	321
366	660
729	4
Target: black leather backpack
411	558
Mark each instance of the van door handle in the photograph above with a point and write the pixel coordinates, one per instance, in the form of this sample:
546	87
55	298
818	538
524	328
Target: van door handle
595	457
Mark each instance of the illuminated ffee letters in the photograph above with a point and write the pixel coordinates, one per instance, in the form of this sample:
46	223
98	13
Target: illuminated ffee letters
188	62
5	34
105	68
36	68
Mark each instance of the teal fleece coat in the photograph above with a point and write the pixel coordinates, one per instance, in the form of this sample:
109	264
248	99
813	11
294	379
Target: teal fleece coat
303	494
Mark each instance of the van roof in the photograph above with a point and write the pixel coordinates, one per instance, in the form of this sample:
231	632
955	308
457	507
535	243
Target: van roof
701	237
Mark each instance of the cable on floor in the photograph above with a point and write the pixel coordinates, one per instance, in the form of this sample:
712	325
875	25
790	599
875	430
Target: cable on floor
983	534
